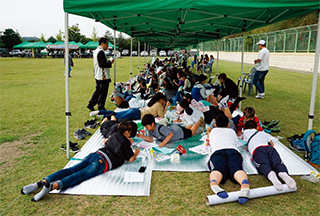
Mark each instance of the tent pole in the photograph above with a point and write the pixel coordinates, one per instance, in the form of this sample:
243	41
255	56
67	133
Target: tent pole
131	59
144	60
66	75
315	76
218	59
202	69
138	57
114	56
242	54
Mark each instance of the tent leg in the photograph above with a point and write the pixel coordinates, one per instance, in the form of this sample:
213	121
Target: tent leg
144	60
66	75
138	57
218	59
114	56
131	59
314	80
242	55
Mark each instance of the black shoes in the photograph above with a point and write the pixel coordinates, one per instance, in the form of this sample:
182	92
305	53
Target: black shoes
90	108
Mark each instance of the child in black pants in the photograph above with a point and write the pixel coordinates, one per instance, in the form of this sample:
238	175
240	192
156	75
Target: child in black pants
266	157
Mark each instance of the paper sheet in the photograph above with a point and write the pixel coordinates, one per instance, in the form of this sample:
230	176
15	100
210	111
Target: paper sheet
133	177
145	144
201	149
164	150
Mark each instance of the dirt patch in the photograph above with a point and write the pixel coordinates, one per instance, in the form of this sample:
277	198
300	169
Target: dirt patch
10	150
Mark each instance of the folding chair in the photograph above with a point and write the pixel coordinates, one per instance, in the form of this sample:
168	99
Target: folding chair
248	80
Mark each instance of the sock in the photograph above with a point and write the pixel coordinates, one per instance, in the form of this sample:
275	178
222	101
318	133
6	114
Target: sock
244	195
93	113
288	180
46	189
244	192
32	187
218	190
275	181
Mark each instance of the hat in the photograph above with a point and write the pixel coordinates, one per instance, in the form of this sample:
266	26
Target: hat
119	95
261	42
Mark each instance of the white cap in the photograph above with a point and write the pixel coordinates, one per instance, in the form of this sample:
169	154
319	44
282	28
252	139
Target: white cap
261	42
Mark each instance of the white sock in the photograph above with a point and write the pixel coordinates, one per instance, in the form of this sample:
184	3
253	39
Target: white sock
93	113
32	187
288	180
275	181
46	189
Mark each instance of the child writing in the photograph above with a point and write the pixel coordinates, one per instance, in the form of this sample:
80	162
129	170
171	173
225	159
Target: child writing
226	161
164	133
248	114
115	151
266	157
190	115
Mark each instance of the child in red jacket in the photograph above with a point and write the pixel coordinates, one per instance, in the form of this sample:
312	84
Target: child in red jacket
248	114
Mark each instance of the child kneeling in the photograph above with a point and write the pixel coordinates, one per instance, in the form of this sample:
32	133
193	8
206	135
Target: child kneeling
164	133
226	161
266	157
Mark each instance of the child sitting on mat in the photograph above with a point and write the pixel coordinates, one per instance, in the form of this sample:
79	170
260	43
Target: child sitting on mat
248	114
115	151
226	161
166	133
266	157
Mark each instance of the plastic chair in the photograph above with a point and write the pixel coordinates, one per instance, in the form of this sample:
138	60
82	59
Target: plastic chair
248	80
208	69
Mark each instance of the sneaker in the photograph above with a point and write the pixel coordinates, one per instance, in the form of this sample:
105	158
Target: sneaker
259	96
63	146
73	149
84	132
91	124
77	134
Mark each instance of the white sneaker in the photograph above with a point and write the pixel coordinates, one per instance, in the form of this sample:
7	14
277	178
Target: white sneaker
260	96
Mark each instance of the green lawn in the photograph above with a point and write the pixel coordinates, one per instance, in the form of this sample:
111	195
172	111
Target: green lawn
33	129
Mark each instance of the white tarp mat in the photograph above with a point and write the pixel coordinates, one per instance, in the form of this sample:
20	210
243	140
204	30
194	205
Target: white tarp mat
111	182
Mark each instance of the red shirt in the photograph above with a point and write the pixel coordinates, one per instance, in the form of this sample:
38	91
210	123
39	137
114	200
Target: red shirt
242	122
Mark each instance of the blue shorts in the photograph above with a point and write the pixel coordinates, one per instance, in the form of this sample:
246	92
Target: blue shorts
227	162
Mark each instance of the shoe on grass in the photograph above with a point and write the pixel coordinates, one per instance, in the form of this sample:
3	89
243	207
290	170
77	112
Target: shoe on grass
85	132
78	135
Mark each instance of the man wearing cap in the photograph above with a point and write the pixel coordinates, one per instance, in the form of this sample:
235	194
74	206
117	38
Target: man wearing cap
262	66
101	75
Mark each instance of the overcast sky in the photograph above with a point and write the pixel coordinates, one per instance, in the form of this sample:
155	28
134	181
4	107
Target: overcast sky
33	17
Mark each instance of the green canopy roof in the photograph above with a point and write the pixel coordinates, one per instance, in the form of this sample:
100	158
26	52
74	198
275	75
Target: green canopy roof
18	46
93	45
49	43
59	43
176	23
73	43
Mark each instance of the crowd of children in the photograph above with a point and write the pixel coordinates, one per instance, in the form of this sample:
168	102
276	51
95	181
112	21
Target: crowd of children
198	102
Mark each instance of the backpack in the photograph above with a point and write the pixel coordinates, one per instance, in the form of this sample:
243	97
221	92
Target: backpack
311	142
192	82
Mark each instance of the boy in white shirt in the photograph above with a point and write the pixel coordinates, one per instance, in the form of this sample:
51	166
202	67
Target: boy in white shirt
226	161
266	157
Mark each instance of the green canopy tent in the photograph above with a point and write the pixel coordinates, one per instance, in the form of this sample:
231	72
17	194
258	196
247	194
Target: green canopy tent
20	46
94	45
178	23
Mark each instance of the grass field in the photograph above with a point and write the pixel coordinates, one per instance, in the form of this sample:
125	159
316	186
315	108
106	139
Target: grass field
32	125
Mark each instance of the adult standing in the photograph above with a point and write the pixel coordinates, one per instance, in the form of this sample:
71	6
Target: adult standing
262	66
101	75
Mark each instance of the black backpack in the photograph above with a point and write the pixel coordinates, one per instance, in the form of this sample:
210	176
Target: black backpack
192	83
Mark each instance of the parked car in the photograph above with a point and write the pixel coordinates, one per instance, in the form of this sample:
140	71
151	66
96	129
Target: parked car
144	53
4	52
125	52
14	53
108	52
27	53
170	53
162	53
153	53
134	53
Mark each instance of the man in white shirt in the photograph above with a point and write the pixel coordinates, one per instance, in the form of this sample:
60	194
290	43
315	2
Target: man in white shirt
262	66
101	75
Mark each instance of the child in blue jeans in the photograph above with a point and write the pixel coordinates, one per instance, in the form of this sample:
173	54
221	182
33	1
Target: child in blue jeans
116	150
226	161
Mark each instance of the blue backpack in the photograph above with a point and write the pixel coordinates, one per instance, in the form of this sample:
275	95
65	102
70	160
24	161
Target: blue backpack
311	142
